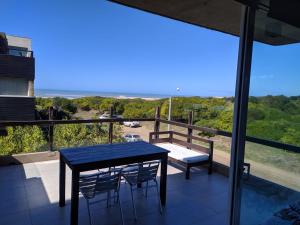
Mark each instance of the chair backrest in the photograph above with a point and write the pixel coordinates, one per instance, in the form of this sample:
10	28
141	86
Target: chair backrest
142	172
91	185
147	171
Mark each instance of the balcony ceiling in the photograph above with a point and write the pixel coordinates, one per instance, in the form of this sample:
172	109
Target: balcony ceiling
219	15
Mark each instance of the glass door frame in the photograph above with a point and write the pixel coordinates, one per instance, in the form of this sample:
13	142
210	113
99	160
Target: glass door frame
240	112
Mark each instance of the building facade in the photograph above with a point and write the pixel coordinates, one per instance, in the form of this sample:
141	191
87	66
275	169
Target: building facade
17	74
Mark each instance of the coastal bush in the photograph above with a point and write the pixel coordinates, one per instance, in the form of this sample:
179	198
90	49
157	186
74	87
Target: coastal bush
88	103
33	139
222	122
58	102
43	103
255	112
71	135
107	103
65	104
140	109
22	139
272	117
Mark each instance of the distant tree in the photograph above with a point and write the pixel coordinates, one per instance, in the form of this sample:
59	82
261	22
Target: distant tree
43	103
106	104
255	112
65	104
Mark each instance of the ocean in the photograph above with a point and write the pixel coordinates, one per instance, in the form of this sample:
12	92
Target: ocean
78	94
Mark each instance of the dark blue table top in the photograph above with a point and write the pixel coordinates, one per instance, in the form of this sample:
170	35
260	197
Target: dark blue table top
105	152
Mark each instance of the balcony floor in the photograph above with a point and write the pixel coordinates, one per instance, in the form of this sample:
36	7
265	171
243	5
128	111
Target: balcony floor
29	196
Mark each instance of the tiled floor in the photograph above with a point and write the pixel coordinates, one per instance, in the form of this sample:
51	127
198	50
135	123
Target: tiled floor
29	196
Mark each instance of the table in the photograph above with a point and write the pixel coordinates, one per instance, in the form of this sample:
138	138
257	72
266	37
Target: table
80	159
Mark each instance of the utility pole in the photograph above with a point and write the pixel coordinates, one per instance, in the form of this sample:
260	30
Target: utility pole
170	109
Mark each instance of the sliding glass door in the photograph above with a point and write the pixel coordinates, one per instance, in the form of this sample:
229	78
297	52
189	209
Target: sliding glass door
269	179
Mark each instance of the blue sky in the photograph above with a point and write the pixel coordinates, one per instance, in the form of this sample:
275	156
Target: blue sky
275	70
96	45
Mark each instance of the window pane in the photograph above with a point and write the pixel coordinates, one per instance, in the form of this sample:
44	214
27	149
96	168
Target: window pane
13	86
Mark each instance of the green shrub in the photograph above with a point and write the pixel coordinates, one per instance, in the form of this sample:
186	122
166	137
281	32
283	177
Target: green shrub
71	135
22	139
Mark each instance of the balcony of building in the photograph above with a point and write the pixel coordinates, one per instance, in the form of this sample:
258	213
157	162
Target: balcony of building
29	189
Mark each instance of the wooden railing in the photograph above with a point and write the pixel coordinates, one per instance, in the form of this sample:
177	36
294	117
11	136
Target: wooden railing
190	128
157	121
50	124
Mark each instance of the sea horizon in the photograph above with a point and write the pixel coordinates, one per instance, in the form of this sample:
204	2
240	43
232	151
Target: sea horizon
71	94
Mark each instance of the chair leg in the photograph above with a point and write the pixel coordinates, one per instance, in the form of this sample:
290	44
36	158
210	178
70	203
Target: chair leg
133	205
116	197
187	173
210	168
158	196
89	212
121	211
146	195
108	200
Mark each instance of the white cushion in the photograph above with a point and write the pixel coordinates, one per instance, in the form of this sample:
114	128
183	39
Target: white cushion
183	154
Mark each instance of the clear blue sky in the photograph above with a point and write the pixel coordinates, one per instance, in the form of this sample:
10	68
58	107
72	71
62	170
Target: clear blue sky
100	46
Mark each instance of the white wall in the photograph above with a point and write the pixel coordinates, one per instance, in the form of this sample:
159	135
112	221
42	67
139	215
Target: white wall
19	42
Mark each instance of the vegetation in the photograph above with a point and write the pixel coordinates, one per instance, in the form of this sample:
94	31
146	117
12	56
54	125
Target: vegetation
270	117
60	103
22	139
71	135
275	118
34	139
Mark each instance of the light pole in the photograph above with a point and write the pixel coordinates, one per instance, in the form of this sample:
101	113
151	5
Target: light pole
170	109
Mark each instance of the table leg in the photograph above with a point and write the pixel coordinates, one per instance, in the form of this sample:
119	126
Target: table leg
62	182
163	179
139	185
75	197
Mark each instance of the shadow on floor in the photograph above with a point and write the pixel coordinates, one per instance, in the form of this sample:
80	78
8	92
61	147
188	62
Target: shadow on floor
29	196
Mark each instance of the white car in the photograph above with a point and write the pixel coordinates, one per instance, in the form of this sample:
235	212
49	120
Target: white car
132	137
131	123
104	116
107	116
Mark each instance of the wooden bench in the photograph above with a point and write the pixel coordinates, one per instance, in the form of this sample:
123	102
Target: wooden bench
184	152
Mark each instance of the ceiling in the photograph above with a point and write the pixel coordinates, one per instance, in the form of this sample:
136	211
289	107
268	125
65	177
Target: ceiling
219	15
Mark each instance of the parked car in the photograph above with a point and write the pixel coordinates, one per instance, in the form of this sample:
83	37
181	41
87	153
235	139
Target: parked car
131	123
107	116
104	116
132	137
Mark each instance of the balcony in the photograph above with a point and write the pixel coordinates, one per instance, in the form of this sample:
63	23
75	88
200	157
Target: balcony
17	73
14	66
30	192
17	107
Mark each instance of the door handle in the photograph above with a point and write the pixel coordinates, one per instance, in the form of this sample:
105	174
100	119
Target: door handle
246	170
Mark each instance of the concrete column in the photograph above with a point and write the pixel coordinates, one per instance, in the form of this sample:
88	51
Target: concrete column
31	88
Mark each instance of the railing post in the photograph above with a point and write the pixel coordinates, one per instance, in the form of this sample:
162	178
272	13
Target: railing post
171	136
190	130
51	128
157	122
211	155
110	130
